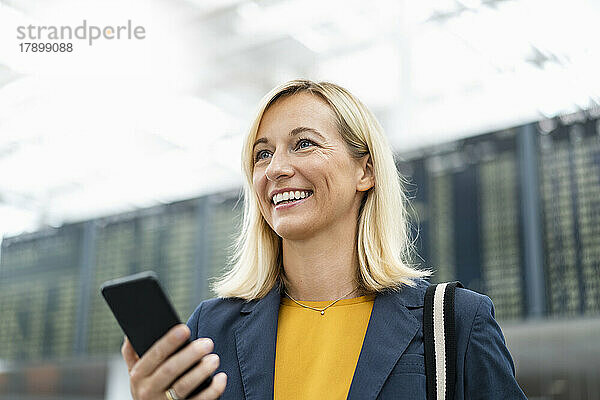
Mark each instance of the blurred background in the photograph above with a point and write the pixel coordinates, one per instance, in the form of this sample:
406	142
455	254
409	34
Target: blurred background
124	156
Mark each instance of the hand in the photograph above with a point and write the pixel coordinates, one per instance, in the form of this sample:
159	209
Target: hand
159	369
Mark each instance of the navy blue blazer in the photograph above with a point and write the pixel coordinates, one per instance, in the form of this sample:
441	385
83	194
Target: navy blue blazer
391	362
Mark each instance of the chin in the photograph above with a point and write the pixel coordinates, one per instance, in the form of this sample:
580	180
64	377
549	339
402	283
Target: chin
292	231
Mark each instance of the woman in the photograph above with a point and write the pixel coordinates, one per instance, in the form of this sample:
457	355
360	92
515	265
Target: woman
320	302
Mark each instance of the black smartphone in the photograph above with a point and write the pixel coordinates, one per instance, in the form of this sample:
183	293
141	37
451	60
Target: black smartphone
144	312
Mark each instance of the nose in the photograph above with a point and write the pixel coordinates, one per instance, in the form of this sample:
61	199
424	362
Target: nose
279	167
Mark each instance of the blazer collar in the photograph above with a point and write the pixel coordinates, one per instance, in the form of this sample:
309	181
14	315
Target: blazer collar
389	332
255	340
391	329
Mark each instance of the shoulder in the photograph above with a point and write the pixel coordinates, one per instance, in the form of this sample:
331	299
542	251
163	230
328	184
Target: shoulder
471	309
469	306
219	311
466	301
219	307
482	355
473	313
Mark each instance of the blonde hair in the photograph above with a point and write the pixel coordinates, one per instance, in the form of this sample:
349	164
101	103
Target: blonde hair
384	247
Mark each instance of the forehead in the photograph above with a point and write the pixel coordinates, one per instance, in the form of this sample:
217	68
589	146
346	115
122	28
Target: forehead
302	109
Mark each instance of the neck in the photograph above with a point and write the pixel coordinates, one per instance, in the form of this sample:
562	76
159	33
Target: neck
323	267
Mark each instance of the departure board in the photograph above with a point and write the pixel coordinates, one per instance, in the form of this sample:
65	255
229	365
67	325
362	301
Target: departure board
224	223
441	224
115	256
501	263
466	215
39	281
159	239
570	167
587	178
467	197
178	255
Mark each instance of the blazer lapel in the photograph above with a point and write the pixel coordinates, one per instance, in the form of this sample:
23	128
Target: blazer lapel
391	328
256	343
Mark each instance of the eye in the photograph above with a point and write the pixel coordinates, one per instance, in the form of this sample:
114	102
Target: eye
260	154
301	143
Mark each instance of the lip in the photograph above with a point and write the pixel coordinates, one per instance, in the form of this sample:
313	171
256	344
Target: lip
289	189
290	205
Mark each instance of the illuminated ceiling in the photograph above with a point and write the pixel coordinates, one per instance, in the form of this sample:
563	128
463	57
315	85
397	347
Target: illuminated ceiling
111	128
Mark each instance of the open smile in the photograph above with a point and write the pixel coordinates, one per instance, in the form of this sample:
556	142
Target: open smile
285	204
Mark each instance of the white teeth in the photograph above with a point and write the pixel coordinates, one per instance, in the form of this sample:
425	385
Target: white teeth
290	196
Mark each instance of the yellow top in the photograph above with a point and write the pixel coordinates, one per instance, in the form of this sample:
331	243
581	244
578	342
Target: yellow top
316	354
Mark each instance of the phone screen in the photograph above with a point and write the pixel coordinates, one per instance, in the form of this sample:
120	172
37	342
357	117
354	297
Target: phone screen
141	308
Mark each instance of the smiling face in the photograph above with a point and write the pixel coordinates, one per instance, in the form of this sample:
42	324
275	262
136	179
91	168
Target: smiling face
298	150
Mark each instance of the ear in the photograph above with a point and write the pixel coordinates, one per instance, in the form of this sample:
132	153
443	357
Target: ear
366	178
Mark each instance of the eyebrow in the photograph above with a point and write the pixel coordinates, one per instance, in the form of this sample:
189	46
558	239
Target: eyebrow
293	132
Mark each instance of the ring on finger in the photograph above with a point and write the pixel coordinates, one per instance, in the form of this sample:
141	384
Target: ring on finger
171	395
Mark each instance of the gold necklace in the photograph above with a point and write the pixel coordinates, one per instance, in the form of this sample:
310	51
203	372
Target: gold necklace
322	310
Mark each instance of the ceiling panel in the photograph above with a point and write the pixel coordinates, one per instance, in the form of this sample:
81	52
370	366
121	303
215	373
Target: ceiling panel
137	123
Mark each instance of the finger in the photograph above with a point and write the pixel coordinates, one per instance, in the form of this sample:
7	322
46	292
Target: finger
216	388
190	381
180	362
161	350
129	354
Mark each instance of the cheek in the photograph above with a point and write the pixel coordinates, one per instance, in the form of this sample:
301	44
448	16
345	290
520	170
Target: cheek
337	176
258	179
258	186
259	183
